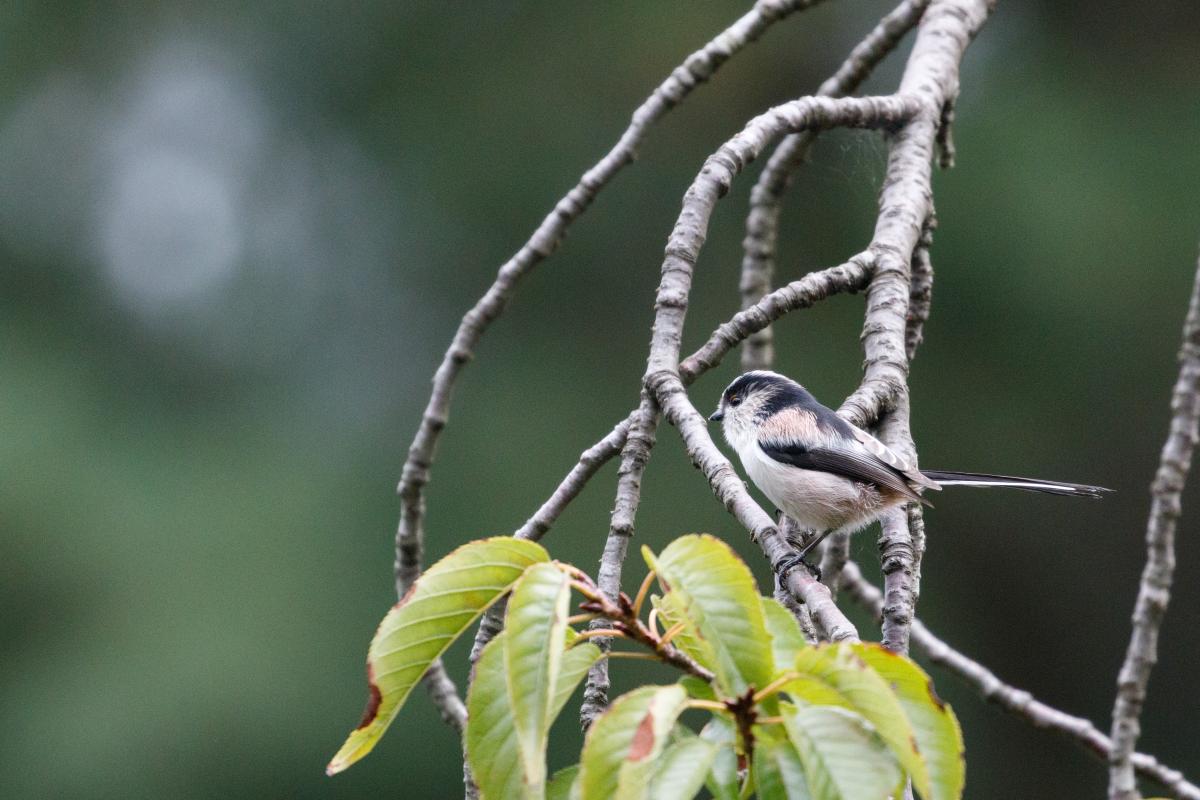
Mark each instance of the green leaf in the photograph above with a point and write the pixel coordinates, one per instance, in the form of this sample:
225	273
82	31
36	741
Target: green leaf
720	596
817	692
697	688
440	606
575	665
536	622
722	778
939	737
778	770
672	611
563	784
843	757
680	771
490	740
786	638
840	668
623	743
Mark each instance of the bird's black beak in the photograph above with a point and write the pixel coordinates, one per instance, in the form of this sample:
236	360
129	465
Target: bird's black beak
716	416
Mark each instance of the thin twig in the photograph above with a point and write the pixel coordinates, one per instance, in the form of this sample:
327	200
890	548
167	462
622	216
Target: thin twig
1016	701
634	456
696	69
762	223
1155	589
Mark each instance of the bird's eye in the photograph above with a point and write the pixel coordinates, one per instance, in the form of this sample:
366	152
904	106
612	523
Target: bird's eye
736	400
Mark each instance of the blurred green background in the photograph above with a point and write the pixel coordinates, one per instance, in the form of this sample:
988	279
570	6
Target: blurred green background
235	241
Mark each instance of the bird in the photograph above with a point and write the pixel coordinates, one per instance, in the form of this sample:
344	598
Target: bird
826	474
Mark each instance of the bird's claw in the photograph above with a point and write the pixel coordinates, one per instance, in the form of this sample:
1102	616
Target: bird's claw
791	562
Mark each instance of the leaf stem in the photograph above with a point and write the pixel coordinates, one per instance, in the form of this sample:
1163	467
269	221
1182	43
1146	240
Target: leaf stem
605	632
775	685
673	631
641	593
629	654
709	705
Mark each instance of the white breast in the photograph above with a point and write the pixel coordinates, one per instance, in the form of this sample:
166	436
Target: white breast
816	500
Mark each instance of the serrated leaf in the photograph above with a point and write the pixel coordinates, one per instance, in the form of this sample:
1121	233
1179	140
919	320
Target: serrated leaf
786	638
720	596
490	740
560	786
680	771
843	757
939	737
536	622
440	606
840	668
778	770
623	743
672	611
722	778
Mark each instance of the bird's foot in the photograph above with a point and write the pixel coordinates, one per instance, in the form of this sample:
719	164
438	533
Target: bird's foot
798	560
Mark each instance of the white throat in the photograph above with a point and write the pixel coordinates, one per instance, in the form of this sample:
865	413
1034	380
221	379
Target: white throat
741	437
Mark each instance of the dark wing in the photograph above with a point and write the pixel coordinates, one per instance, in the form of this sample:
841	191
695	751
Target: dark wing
893	459
850	462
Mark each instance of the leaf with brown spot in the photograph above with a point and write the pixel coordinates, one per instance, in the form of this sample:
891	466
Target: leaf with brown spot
643	739
624	743
373	700
434	612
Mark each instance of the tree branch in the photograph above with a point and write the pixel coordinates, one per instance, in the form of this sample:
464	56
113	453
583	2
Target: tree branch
837	547
1155	590
762	223
1016	701
697	68
634	456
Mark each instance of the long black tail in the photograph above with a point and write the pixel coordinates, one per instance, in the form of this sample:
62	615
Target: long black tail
1007	481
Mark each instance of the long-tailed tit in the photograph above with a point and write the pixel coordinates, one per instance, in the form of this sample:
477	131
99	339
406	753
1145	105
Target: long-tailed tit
825	473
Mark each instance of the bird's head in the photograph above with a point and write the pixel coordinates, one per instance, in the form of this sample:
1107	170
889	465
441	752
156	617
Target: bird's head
752	398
